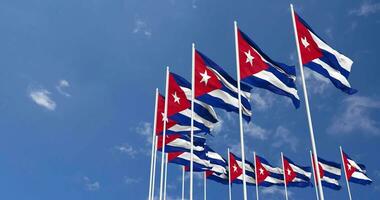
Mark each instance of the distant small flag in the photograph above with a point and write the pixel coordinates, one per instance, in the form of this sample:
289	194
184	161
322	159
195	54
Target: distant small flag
217	163
355	172
320	57
236	170
267	175
329	172
257	69
181	143
204	115
296	175
217	88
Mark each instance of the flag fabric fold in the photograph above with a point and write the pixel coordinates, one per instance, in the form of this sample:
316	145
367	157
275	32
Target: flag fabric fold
181	143
267	175
355	172
330	173
236	170
295	175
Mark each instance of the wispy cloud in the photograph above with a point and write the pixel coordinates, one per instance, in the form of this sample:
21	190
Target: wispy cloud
91	185
283	136
42	98
62	85
366	8
130	180
275	191
256	131
356	115
317	84
127	149
142	28
145	129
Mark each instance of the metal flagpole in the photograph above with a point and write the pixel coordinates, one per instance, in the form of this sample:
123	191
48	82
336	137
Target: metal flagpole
151	185
314	148
166	174
204	186
164	133
229	175
183	183
154	166
345	173
240	111
192	121
257	183
284	171
315	178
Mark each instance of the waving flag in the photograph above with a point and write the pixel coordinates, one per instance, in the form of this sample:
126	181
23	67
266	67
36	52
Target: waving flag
217	88
220	178
296	175
259	70
217	163
204	115
266	174
171	126
181	143
320	57
329	173
355	172
183	158
236	170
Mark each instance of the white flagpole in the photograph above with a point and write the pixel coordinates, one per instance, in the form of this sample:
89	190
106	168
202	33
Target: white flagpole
166	175
154	166
152	161
183	183
345	173
257	184
204	186
315	178
192	121
240	111
164	133
313	145
284	171
229	175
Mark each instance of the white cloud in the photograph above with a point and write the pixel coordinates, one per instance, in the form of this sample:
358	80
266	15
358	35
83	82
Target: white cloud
62	84
255	131
41	97
127	149
129	180
91	185
146	130
275	191
316	83
142	27
283	137
356	116
366	8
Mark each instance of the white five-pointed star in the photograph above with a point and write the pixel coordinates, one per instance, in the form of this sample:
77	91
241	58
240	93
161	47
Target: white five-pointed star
176	98
164	118
235	168
205	77
289	171
349	167
249	57
261	171
305	43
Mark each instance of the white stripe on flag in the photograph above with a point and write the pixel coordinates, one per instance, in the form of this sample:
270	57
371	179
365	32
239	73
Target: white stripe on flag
332	72
330	169
228	99
184	144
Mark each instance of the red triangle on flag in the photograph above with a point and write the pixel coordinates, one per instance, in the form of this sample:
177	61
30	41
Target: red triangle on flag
205	79
261	171
235	170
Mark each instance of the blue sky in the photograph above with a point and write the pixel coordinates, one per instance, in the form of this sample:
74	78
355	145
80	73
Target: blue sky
77	88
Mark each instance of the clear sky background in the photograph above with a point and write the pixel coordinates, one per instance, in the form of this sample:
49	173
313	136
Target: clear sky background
77	88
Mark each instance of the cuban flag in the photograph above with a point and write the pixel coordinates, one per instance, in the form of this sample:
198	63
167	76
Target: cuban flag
171	126
181	143
296	175
267	175
236	171
220	178
329	172
217	88
217	163
320	57
204	115
355	172
258	70
200	162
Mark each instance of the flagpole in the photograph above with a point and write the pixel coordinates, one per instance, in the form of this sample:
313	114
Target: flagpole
229	175
240	111
166	175
284	171
183	182
151	185
310	123
345	173
154	166
164	132
192	120
257	183
204	186
315	178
